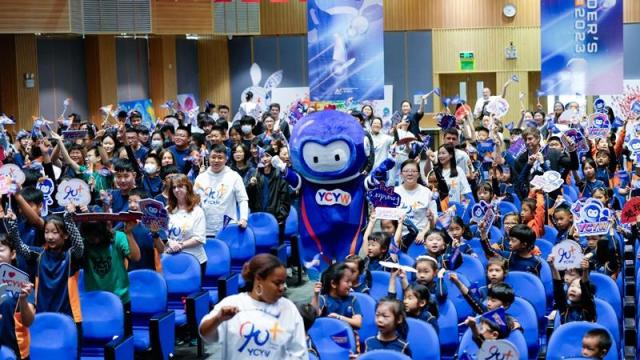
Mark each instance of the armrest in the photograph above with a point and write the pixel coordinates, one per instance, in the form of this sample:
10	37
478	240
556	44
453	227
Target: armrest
280	252
228	285
162	334
120	348
197	308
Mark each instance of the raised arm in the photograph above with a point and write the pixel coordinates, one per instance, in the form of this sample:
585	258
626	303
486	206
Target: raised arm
77	245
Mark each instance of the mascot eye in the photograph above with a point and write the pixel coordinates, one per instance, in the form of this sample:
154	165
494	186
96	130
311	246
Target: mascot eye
326	158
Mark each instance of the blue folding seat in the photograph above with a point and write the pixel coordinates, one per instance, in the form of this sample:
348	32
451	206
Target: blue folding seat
102	322
368	309
545	246
566	341
547	282
605	317
462	307
474	271
550	234
153	324
423	340
380	285
570	193
530	287
181	272
53	336
607	290
416	250
467	345
266	231
476	245
506	207
6	353
242	246
384	355
524	312
333	338
218	278
448	326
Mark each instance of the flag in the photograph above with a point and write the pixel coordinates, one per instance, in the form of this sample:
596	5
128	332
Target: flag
497	316
225	221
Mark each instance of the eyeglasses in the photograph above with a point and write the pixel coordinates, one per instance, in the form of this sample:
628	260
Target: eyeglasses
410	171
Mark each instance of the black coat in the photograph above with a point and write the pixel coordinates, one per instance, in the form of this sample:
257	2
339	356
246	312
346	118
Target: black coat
279	199
554	160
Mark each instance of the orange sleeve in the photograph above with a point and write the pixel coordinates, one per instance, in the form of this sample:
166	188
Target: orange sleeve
617	148
537	224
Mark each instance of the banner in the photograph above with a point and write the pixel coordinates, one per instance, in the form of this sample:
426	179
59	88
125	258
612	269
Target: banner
581	45
144	106
345	50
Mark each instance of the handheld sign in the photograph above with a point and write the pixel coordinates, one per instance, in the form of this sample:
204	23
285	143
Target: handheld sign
73	191
634	146
497	349
599	126
74	134
155	216
592	217
499	107
446	121
115	217
577	137
599	105
5	184
387	213
482	212
383	196
630	211
14	172
567	255
14	279
392	265
549	181
517	147
47	186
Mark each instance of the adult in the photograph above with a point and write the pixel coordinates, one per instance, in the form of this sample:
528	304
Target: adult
367	112
381	142
221	192
479	109
260	319
534	162
281	122
452	174
451	136
187	223
416	199
180	148
412	117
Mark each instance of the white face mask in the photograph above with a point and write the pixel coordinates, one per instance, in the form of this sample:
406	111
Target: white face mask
156	143
150	168
246	129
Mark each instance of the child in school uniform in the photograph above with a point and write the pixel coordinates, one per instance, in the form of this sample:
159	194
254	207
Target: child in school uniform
596	343
392	328
361	278
521	242
578	303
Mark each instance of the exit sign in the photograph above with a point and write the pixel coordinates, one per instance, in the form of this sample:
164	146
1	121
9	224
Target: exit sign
467	61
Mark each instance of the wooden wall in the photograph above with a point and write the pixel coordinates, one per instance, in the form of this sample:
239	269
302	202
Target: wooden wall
102	79
213	64
182	17
163	77
283	18
34	16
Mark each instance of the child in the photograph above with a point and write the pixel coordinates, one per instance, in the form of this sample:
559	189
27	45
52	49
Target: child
562	219
149	242
377	251
485	329
361	278
460	234
508	221
427	274
16	313
579	303
590	182
436	246
603	255
596	344
308	314
391	235
391	323
417	304
58	263
125	180
335	301
521	242
104	265
496	272
532	212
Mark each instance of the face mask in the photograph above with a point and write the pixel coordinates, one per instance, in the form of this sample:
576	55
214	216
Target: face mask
246	129
156	143
150	168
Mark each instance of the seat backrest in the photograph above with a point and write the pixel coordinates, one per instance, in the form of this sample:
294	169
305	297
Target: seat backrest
53	336
406	260
218	260
547	282
102	316
524	312
569	193
472	268
545	246
507	207
477	248
333	338
241	243
265	228
530	288
380	285
423	340
368	309
384	355
291	224
181	272
566	341
148	292
607	290
462	307
416	250
550	234
448	326
606	317
467	345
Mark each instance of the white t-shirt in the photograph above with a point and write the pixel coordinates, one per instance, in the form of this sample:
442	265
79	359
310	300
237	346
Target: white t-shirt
416	203
185	225
259	330
458	186
381	145
462	160
219	195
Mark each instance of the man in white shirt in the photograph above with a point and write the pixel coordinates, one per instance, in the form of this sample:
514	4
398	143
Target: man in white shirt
486	98
451	136
221	192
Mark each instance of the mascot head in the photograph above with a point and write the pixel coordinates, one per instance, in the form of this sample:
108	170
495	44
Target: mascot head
328	147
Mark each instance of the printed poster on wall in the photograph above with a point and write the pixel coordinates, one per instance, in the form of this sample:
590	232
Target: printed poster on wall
345	50
144	106
582	51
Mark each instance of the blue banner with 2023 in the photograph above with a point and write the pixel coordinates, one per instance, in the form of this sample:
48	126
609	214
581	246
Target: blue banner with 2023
345	50
582	50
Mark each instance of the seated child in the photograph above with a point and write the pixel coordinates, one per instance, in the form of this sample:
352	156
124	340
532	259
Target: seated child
361	278
532	212
377	251
485	329
149	242
392	328
596	344
496	272
521	242
427	274
603	255
578	304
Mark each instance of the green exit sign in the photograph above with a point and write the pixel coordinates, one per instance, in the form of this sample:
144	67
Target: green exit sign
467	61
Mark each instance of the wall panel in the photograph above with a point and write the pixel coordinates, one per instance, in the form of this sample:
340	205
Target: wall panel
283	18
162	71
186	62
133	69
213	63
34	16
182	17
100	61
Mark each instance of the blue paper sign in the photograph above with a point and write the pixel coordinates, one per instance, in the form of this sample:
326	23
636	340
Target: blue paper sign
485	147
383	196
446	121
517	147
47	186
599	105
591	217
154	214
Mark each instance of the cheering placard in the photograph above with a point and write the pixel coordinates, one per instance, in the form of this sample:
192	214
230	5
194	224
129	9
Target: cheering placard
115	217
591	217
497	349
549	181
73	191
14	172
47	186
155	216
578	139
567	255
599	126
383	196
14	279
499	107
482	212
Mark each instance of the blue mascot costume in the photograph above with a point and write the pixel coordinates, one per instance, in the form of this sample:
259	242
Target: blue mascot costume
328	152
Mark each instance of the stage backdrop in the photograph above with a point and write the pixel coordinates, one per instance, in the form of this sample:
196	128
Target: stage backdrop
582	49
346	50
